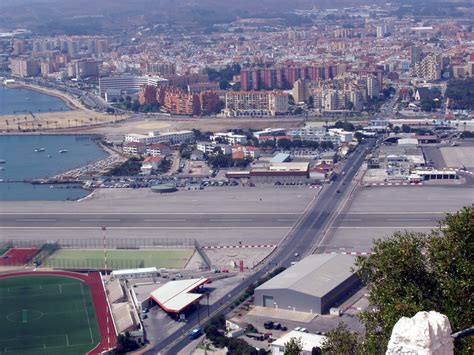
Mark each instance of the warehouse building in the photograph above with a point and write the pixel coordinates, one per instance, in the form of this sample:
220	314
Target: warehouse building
312	285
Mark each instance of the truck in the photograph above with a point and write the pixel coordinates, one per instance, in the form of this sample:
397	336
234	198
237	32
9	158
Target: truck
195	333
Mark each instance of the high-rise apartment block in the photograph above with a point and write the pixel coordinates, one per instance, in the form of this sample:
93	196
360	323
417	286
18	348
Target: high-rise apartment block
283	77
300	91
428	68
255	103
24	67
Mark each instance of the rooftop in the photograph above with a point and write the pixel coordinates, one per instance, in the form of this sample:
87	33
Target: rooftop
309	341
174	296
316	274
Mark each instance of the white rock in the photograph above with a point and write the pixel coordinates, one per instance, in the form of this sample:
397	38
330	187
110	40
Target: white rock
425	333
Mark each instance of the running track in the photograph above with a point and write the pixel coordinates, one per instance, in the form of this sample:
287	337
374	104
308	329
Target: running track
102	309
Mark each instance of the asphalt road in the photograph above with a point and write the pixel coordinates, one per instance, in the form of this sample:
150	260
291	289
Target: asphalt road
143	220
305	236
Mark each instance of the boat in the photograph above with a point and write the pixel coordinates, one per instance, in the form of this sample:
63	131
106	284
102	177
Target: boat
39	150
2	161
2	168
49	155
63	151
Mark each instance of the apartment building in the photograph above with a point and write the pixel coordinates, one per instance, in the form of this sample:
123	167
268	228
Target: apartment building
255	103
157	137
24	67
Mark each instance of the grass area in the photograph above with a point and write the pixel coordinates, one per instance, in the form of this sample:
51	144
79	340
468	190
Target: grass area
120	259
46	314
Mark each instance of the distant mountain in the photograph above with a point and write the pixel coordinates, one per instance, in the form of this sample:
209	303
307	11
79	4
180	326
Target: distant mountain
100	15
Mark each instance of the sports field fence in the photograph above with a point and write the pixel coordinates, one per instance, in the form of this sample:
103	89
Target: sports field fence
98	243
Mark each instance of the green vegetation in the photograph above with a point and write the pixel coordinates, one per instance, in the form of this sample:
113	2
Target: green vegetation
432	102
167	258
128	104
287	144
214	331
412	272
129	168
43	314
294	347
223	76
225	161
126	344
461	94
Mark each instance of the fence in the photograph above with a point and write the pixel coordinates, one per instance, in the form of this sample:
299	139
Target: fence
93	264
98	243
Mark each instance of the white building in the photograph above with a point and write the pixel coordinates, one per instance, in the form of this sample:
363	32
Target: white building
133	148
230	138
209	147
157	137
308	341
128	84
135	273
255	103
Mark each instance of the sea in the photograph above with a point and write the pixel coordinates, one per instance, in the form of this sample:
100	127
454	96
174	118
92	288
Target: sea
19	161
18	100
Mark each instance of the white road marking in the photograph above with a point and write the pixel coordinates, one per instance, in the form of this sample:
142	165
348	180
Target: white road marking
231	220
34	220
352	219
395	212
385	227
408	219
100	220
286	220
134	227
148	213
164	220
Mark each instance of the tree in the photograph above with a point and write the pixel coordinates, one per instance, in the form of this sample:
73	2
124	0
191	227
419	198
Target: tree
406	128
294	346
340	340
412	272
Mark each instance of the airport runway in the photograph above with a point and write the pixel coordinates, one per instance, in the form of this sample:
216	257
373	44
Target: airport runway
133	221
388	220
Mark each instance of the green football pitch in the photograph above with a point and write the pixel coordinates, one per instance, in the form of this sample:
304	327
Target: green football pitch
119	258
45	314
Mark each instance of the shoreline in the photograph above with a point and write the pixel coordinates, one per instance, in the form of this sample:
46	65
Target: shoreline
71	103
77	119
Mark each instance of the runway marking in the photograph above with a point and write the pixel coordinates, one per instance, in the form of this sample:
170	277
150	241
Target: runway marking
385	227
100	220
148	213
231	220
353	219
286	220
402	213
408	219
164	228
164	220
34	220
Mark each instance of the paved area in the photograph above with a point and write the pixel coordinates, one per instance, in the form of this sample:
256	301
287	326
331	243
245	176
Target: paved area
456	157
276	313
378	212
216	216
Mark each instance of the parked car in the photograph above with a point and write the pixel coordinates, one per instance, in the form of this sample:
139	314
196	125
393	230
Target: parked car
276	326
268	325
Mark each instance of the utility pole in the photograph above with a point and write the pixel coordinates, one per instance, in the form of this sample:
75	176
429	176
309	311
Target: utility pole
104	235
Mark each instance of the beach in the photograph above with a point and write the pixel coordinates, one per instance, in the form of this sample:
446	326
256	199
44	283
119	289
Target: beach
31	122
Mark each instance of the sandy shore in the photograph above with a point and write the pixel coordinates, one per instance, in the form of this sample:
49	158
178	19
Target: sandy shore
79	117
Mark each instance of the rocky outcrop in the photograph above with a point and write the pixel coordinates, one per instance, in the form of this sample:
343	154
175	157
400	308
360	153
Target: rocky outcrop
425	333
